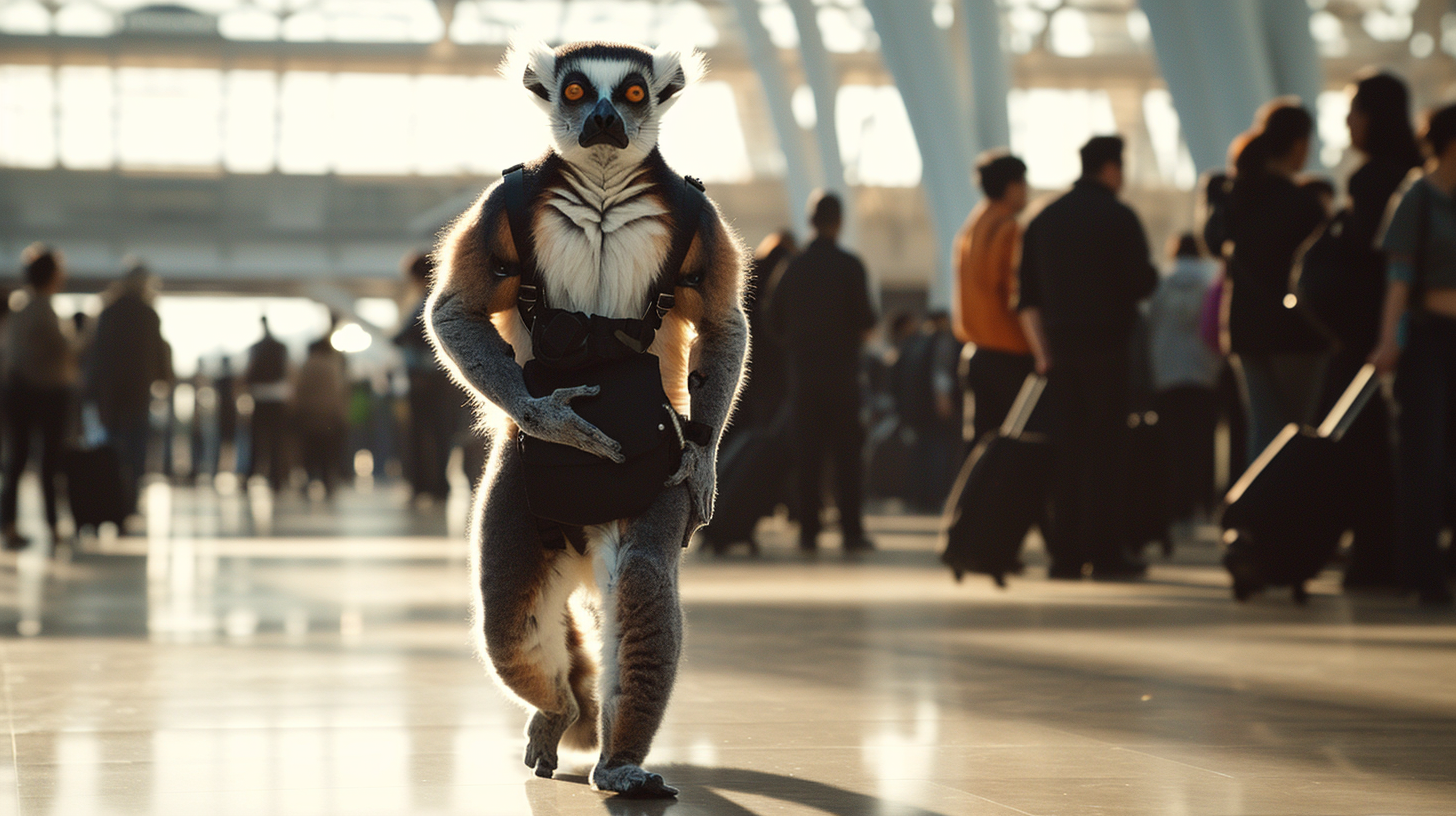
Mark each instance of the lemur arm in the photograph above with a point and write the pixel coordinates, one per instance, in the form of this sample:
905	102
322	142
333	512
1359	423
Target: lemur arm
715	307
467	291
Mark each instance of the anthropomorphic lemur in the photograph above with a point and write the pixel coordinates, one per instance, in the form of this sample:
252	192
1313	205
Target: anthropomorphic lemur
599	203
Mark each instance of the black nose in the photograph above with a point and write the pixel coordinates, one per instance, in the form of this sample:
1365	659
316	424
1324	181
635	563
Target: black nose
603	116
603	125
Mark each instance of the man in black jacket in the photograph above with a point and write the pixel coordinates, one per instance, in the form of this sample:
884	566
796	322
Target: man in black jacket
1084	267
821	314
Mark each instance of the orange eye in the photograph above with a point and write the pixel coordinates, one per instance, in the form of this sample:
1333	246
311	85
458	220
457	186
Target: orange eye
636	93
574	92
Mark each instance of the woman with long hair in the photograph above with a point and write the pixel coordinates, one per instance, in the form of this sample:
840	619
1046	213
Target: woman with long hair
1381	132
1279	355
1418	342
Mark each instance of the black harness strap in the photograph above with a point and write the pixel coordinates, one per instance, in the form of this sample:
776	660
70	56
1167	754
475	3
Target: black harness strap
688	205
518	216
689	210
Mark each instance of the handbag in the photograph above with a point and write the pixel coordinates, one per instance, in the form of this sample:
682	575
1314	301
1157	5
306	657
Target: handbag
566	485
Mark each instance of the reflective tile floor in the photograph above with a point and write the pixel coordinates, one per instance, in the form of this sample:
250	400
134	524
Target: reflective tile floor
252	657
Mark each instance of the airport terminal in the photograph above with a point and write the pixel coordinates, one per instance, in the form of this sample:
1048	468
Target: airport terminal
1049	407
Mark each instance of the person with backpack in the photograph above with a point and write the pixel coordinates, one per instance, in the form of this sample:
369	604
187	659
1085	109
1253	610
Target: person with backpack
1278	352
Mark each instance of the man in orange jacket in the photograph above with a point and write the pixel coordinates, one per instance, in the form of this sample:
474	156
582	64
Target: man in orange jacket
987	251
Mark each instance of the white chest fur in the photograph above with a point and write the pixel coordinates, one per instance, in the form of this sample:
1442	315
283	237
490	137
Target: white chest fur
600	242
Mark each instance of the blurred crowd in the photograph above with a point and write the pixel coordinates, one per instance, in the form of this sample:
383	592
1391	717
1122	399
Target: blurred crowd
93	404
1163	385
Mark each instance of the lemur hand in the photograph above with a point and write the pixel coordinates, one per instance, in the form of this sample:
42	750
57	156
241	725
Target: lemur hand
551	418
699	469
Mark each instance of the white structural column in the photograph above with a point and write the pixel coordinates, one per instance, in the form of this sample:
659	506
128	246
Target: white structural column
990	75
916	55
824	84
1293	55
1215	58
797	180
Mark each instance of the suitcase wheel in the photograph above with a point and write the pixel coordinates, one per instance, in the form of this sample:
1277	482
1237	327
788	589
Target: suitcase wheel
1299	594
959	575
1000	579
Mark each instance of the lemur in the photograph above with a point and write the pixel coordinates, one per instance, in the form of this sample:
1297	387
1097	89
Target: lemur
602	228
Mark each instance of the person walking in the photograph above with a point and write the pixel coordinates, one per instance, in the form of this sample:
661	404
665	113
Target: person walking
267	380
1185	372
1278	353
1418	343
987	250
1084	268
127	356
321	405
40	370
434	401
821	314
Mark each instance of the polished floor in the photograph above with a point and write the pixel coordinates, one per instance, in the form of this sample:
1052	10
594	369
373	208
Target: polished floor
256	657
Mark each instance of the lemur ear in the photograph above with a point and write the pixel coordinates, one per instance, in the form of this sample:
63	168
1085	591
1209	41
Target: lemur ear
535	64
672	70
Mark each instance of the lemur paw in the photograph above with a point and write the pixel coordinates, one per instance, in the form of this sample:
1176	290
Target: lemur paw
632	782
551	418
542	736
699	471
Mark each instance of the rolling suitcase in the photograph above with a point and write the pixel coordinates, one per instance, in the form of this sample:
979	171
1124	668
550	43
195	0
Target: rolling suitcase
753	476
999	494
95	486
1148	519
1282	521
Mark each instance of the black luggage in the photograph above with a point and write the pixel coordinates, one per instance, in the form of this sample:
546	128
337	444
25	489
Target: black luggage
1000	492
1282	519
95	486
753	476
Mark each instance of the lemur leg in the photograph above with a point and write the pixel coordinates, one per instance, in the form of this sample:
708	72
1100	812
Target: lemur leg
526	624
641	642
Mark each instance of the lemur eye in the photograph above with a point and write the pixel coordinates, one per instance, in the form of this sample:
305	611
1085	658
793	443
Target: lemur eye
574	92
636	93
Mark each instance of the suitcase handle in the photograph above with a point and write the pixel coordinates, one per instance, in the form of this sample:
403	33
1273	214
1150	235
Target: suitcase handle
1347	408
1026	399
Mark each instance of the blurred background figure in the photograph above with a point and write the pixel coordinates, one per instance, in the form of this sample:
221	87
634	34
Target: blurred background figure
225	387
270	389
321	406
1418	342
928	403
1185	373
1342	281
40	370
821	313
126	356
1084	268
434	401
1278	352
764	393
987	252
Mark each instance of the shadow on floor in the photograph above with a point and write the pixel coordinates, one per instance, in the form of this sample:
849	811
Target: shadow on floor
699	788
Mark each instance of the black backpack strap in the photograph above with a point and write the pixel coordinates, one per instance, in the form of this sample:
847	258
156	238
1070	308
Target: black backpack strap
688	207
530	299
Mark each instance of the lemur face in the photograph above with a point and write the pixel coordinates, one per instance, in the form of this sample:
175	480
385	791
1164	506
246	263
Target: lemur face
605	101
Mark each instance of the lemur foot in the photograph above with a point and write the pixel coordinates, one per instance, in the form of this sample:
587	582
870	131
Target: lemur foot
632	782
542	736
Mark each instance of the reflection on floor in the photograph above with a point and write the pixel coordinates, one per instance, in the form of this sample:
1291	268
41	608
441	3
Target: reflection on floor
208	668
